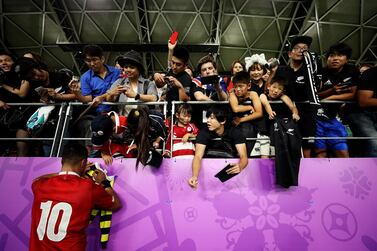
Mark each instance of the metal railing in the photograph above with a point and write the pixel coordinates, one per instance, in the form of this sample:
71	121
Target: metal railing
66	109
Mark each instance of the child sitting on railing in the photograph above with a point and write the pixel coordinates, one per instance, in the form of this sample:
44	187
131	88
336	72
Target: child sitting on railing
183	130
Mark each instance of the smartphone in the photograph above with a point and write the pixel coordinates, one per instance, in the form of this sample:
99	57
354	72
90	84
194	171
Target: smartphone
210	79
173	37
223	175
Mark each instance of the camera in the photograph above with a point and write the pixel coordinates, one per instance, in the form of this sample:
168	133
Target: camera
272	62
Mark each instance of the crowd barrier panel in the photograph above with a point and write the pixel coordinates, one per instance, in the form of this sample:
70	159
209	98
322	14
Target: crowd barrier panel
331	209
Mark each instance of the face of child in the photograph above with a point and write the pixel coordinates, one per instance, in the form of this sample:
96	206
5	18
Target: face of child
241	89
183	118
275	90
265	76
237	67
257	73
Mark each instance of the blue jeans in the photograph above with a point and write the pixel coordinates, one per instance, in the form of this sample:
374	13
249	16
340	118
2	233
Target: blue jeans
364	124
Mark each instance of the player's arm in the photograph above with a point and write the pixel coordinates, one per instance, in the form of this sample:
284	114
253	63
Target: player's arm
100	178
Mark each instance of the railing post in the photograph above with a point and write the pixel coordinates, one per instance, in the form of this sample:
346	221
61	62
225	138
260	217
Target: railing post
58	131
68	115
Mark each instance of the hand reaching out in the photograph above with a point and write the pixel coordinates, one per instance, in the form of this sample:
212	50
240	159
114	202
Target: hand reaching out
107	158
295	117
74	86
3	105
271	115
234	169
193	182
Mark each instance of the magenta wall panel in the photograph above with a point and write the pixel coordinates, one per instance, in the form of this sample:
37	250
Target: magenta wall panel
332	209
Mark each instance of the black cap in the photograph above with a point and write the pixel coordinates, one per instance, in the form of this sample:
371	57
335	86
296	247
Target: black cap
132	57
102	128
301	40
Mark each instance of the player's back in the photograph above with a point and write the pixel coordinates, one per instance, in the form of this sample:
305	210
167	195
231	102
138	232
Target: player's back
60	213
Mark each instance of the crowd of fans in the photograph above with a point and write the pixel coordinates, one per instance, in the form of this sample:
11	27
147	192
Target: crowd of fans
260	94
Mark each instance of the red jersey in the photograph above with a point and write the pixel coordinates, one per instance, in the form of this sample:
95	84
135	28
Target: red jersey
180	148
61	210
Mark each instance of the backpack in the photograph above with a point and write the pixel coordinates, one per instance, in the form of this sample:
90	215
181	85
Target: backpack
38	119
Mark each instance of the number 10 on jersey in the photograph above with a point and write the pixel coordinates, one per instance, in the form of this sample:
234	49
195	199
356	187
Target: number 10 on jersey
49	217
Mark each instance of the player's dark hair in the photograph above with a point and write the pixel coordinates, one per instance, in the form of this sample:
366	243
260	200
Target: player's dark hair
74	153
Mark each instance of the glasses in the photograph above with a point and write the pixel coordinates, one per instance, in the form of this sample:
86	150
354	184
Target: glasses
300	48
89	60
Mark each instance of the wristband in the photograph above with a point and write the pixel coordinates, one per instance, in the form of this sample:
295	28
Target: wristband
106	183
137	97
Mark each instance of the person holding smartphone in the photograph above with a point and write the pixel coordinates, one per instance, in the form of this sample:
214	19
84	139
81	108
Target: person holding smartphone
133	87
232	143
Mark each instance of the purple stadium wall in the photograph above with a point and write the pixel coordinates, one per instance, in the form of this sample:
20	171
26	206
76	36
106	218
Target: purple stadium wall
332	209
